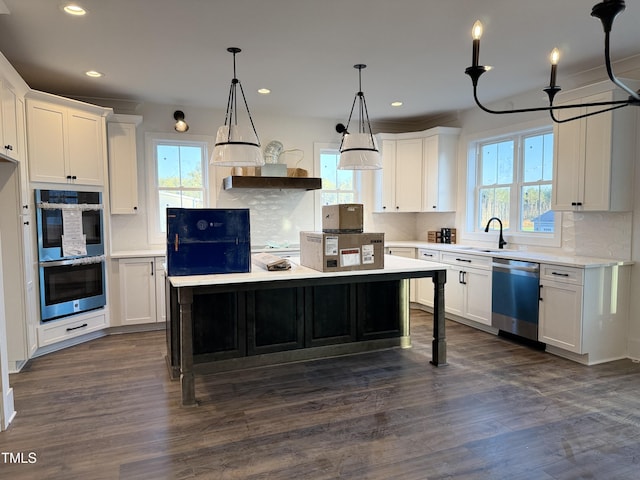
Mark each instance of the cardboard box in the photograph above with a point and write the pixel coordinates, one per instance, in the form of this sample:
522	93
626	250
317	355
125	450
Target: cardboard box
337	252
202	241
342	218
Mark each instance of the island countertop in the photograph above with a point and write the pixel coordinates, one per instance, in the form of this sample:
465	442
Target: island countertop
392	265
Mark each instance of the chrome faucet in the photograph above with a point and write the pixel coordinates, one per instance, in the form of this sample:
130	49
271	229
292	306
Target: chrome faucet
501	241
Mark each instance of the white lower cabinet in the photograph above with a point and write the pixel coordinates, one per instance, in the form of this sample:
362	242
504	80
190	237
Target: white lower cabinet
424	286
141	290
468	287
68	328
408	252
560	317
585	311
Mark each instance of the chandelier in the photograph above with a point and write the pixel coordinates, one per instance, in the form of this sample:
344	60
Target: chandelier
606	11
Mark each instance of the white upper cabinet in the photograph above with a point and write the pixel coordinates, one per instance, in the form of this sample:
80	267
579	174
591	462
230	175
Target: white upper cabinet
418	171
401	176
10	118
66	140
123	164
594	157
440	170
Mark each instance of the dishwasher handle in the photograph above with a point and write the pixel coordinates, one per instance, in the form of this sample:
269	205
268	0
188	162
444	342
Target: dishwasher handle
535	269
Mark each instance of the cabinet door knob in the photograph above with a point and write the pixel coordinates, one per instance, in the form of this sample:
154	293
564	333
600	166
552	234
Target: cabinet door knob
135	208
68	177
73	177
433	206
8	147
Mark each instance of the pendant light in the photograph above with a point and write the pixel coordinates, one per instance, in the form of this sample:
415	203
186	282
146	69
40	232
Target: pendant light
359	151
236	145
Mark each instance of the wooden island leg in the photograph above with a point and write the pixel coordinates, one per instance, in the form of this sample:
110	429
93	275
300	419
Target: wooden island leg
439	343
187	381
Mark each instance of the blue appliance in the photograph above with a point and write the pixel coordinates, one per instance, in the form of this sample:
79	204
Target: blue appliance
202	241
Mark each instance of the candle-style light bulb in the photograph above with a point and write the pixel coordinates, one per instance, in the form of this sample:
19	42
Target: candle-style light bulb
476	30
476	33
554	58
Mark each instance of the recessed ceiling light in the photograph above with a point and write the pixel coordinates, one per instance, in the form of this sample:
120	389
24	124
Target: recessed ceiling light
396	104
73	9
264	91
93	74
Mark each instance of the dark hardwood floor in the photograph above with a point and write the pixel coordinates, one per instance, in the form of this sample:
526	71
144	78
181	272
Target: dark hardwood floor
107	410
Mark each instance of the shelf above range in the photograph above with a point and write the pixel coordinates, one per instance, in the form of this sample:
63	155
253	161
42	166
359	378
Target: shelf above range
303	183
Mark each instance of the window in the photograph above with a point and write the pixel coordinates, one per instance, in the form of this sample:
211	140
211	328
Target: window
338	186
179	178
513	182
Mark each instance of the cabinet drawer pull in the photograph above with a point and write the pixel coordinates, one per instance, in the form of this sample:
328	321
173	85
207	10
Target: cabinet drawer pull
463	260
560	274
540	292
427	254
76	328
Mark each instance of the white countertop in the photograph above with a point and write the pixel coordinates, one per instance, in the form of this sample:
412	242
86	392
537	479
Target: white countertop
392	264
539	257
139	253
161	252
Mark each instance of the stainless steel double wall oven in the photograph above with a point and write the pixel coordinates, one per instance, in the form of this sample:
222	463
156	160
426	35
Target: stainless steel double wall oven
71	257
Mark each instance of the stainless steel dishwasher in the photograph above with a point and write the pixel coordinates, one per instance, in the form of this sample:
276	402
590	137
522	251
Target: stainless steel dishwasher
514	297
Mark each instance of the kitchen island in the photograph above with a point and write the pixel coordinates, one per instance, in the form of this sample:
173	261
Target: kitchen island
241	320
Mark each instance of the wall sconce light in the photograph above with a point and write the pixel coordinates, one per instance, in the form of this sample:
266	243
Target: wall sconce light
181	125
606	11
359	151
236	145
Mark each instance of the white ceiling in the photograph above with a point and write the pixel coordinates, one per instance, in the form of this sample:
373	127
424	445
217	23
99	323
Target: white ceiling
174	51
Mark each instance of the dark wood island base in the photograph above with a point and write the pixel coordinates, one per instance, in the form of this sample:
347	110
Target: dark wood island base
225	322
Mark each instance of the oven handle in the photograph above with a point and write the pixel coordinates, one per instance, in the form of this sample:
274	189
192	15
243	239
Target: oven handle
74	261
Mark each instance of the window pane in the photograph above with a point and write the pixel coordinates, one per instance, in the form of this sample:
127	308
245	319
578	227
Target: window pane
533	156
168	166
505	162
190	167
536	214
538	158
167	198
329	198
494	202
345	179
345	197
329	169
489	164
547	162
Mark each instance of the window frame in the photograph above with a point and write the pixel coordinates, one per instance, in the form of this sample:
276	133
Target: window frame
152	140
473	231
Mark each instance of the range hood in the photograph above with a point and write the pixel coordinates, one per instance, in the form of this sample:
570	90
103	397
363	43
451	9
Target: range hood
303	183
